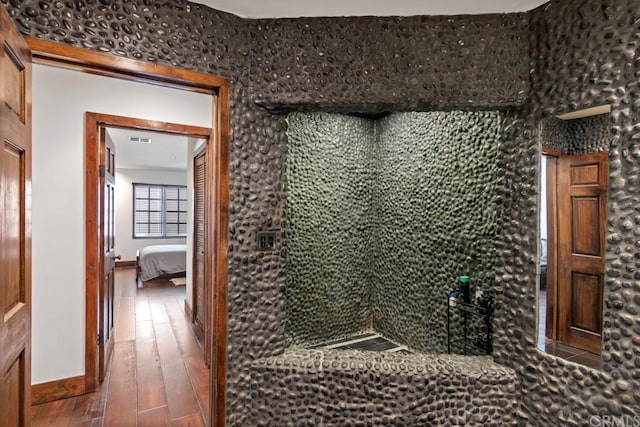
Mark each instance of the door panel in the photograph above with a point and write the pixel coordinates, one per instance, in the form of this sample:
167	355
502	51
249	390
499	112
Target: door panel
106	285
582	204
15	226
14	77
586	291
13	171
12	391
586	215
585	174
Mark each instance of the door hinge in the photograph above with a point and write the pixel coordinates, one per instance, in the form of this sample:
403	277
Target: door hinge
100	339
101	171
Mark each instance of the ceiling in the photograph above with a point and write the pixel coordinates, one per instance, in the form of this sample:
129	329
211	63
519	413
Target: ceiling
165	152
298	8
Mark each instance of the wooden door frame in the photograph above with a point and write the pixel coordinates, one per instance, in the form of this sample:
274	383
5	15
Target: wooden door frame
59	55
551	204
94	233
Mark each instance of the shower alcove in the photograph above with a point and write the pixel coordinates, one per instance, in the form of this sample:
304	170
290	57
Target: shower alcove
382	216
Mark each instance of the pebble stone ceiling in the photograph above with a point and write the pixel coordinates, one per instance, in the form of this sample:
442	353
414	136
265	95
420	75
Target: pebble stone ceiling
567	55
579	136
383	216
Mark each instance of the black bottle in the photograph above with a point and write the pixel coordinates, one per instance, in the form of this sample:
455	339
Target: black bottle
464	292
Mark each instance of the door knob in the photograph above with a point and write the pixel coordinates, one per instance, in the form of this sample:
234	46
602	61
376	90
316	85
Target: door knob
118	257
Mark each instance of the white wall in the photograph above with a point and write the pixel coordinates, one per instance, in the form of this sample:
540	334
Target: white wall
60	99
126	245
543	210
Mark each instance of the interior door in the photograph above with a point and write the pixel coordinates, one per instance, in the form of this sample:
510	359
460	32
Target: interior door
15	226
200	318
582	207
106	285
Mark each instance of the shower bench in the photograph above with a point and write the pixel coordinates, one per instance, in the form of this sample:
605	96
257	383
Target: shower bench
352	387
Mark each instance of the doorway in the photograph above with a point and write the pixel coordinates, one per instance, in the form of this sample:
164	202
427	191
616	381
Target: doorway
100	170
572	246
104	65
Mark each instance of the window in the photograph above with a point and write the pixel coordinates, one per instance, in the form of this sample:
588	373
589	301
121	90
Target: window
159	211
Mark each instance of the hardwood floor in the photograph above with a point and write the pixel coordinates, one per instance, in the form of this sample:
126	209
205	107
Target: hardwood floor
157	375
576	355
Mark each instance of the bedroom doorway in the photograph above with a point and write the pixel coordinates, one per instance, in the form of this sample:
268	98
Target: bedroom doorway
117	69
100	165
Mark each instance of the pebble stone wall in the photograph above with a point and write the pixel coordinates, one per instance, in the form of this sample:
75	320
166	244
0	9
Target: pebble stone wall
382	217
584	55
364	64
577	136
589	135
568	55
435	219
310	388
330	234
553	134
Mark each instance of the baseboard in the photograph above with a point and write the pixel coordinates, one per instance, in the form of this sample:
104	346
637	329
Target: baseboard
125	263
187	310
197	331
56	390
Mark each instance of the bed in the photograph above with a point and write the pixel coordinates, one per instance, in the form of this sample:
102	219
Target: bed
159	260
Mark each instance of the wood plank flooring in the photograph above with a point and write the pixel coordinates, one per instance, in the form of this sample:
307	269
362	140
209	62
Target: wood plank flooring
157	375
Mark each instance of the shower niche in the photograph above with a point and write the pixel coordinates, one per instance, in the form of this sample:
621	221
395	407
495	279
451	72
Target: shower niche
383	216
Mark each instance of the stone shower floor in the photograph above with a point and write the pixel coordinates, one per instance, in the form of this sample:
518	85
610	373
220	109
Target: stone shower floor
370	341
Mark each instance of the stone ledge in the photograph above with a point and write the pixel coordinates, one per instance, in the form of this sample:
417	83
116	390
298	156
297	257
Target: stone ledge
351	387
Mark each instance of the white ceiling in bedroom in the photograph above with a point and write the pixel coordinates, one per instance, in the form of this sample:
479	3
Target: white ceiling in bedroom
298	8
165	152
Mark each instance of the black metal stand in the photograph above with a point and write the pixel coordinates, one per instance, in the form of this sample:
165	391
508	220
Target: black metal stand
482	335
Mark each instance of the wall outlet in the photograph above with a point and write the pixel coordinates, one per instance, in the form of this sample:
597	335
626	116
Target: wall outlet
266	240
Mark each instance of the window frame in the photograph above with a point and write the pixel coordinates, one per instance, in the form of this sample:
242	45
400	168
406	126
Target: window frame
163	211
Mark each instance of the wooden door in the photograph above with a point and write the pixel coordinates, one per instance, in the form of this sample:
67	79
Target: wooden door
582	207
200	288
15	226
106	286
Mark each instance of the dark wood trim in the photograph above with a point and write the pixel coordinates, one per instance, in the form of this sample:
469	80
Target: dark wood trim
219	157
112	121
125	264
59	55
138	268
551	330
58	389
548	151
93	266
110	65
94	123
197	331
